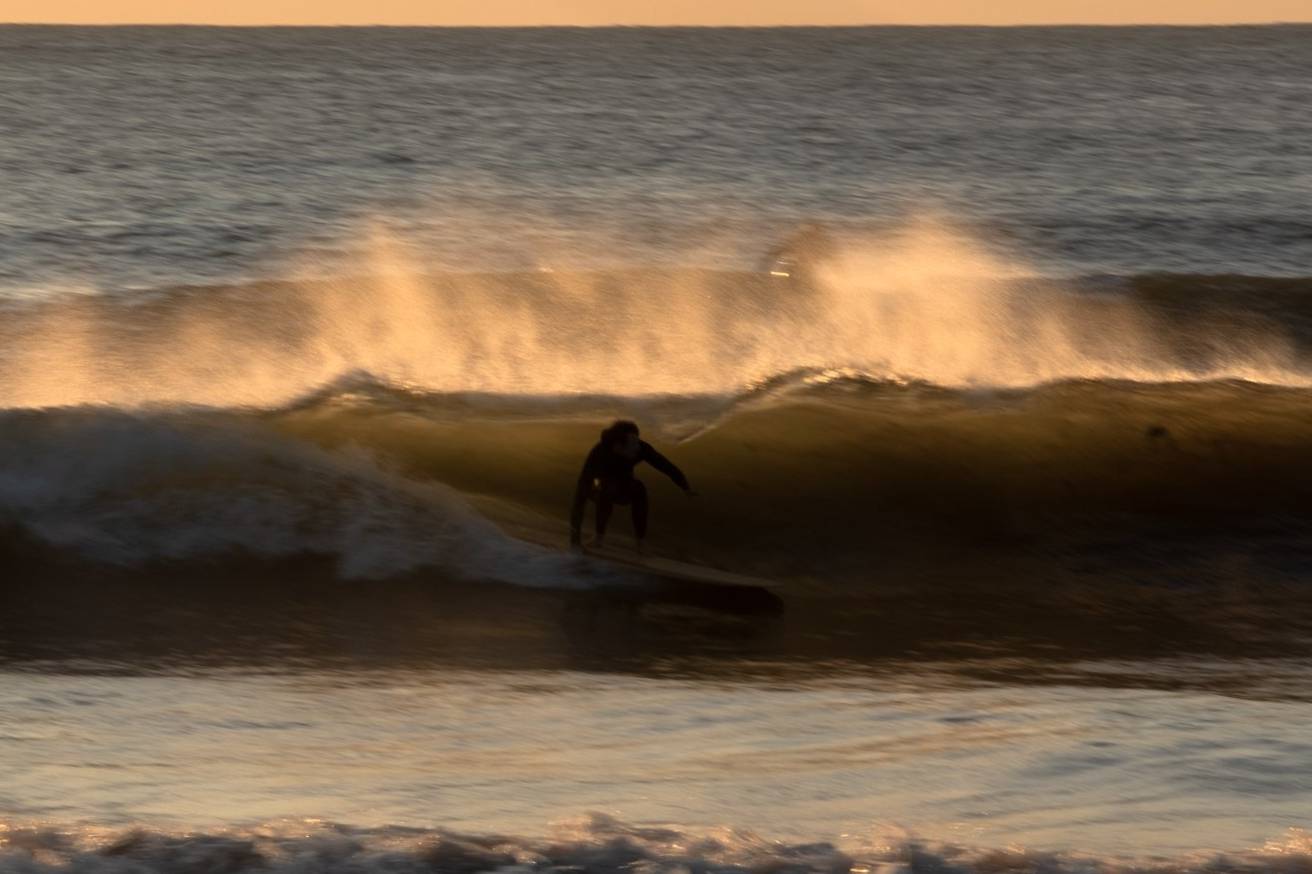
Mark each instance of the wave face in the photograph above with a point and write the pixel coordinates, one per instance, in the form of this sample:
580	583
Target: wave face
813	475
595	844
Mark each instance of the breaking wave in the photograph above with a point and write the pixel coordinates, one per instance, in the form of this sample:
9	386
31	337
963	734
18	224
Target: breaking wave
814	475
597	844
118	488
918	396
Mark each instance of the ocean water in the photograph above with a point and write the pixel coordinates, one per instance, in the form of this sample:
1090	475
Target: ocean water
155	156
990	348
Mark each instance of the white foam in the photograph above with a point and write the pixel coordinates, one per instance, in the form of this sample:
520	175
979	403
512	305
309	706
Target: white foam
597	844
127	488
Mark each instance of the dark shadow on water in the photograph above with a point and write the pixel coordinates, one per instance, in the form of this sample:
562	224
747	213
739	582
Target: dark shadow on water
298	618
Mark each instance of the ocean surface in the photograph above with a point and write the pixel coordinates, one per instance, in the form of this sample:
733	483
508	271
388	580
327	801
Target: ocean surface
991	349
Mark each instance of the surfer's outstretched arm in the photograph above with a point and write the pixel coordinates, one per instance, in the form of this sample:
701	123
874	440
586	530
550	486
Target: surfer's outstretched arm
591	467
665	466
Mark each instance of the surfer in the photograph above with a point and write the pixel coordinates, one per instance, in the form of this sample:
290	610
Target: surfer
607	477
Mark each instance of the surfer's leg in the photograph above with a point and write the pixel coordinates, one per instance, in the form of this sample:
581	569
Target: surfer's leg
605	503
638	497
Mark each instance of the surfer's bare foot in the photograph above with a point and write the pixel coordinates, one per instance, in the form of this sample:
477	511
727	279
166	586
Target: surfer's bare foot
596	543
637	547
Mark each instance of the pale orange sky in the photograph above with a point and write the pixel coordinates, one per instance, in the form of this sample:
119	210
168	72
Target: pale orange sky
704	12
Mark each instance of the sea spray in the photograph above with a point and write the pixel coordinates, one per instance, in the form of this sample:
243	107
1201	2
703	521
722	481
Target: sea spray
925	303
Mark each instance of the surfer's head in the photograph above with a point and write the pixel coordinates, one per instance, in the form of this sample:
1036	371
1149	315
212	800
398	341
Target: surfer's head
622	438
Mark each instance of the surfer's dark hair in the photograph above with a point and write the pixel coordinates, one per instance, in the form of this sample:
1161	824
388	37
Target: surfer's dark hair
618	429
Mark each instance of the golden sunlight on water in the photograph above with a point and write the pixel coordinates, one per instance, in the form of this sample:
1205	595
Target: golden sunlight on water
927	303
490	751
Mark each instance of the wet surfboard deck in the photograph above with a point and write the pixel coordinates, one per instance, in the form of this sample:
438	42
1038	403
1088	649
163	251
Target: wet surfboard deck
642	578
679	582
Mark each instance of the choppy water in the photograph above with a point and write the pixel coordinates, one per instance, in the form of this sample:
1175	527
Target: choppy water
1025	448
845	757
154	156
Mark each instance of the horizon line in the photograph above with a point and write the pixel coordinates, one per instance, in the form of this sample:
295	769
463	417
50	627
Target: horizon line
618	25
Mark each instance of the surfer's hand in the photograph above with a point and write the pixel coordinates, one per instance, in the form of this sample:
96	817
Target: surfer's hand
689	493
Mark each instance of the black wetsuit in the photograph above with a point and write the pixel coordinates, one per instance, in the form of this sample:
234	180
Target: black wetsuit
609	475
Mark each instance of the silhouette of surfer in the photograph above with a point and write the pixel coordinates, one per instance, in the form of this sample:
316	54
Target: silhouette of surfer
607	477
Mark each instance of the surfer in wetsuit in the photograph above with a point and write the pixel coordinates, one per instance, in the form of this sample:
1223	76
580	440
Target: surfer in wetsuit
607	477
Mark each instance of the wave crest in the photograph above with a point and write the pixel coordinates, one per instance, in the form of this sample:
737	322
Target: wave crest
927	304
